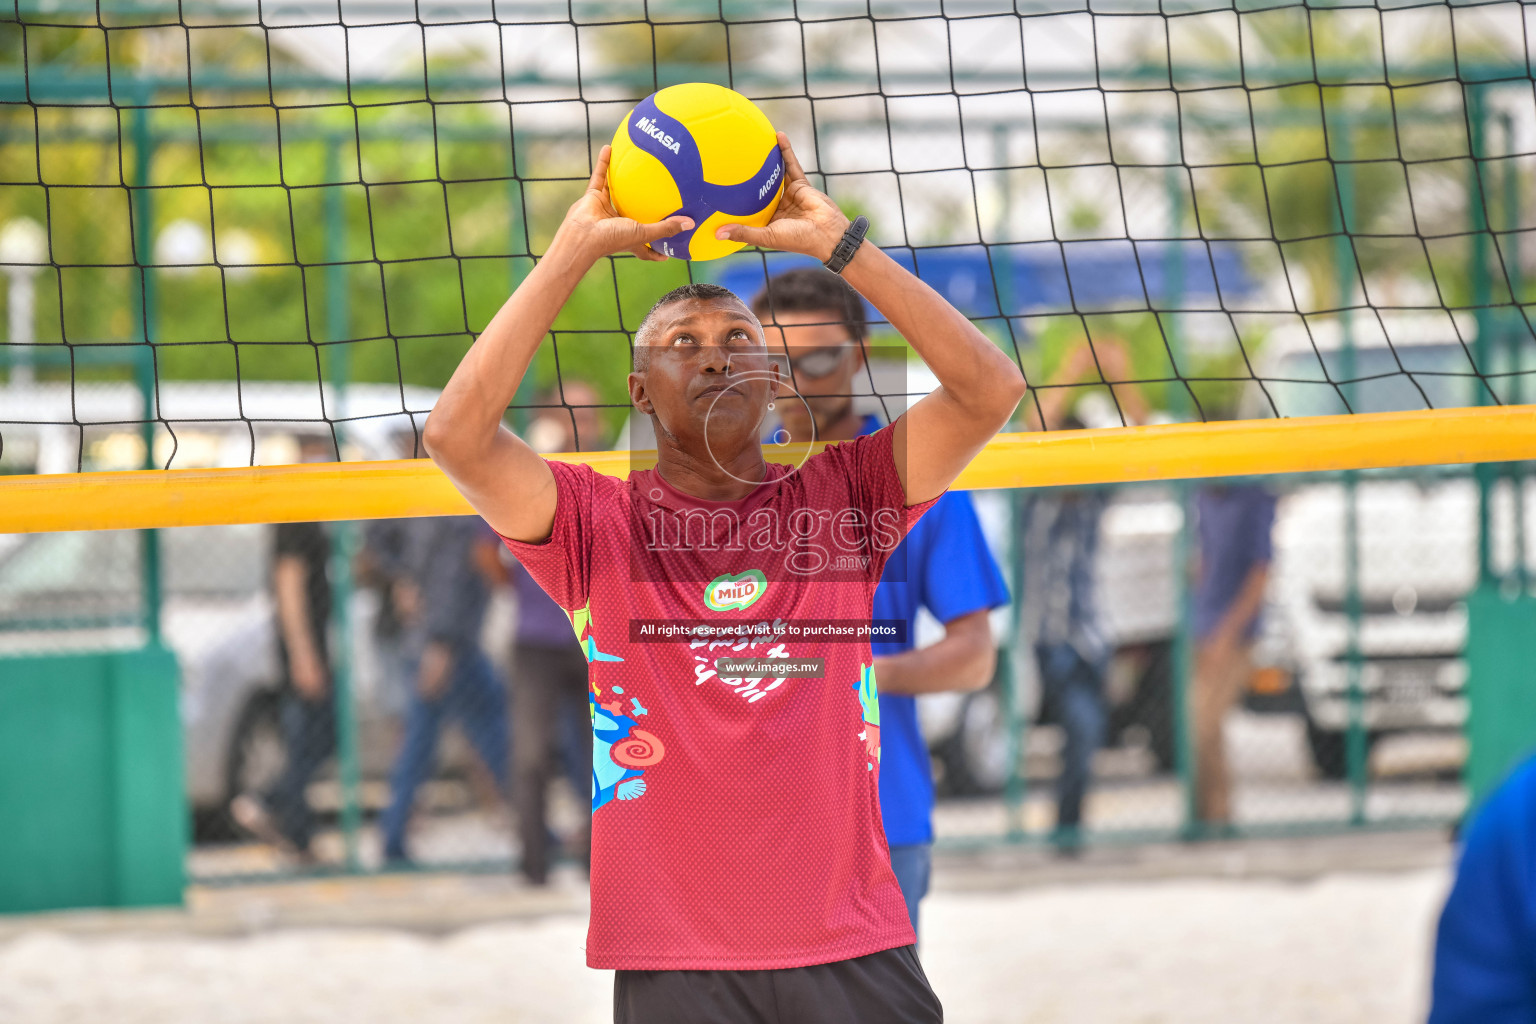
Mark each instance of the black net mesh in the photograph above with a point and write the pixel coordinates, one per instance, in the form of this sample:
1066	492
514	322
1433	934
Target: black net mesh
231	229
229	220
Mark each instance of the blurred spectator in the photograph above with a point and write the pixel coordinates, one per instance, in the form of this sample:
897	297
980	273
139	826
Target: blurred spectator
441	599
381	564
1485	951
1061	550
302	593
1234	524
549	686
943	564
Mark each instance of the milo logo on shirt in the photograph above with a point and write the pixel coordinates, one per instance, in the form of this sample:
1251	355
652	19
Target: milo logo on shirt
727	593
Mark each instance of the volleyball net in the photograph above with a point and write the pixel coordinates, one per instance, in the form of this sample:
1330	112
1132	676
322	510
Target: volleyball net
1217	240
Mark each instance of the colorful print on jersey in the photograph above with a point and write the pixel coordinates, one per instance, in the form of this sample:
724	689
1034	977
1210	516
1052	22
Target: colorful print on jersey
869	702
705	651
620	751
581	622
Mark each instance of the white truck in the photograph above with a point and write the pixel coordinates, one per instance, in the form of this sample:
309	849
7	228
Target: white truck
1417	538
1416	559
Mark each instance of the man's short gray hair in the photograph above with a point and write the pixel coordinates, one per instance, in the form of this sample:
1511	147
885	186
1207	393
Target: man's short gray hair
699	291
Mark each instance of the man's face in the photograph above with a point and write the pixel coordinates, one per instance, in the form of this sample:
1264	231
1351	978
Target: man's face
824	356
701	349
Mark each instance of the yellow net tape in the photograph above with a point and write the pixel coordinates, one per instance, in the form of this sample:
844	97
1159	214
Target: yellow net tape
377	490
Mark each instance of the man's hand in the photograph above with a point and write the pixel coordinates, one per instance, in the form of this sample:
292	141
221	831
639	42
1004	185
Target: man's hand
806	221
308	675
1231	631
407	600
432	678
596	229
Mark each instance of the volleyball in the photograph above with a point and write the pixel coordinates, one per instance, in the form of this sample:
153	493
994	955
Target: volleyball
700	150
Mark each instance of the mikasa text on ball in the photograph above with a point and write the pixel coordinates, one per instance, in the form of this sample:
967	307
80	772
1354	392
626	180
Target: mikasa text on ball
700	150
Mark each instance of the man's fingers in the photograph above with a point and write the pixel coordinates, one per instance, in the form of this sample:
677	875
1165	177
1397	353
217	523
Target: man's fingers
599	179
666	228
744	233
792	168
645	252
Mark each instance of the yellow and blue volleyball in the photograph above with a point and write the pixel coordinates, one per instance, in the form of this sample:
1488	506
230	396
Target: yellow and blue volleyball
700	150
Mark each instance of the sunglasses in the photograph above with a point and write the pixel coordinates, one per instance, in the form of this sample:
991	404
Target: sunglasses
822	361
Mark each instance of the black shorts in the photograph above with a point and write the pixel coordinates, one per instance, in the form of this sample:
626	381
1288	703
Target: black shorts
888	987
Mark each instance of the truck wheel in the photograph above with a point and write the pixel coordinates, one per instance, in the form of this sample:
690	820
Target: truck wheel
976	757
1330	750
1151	705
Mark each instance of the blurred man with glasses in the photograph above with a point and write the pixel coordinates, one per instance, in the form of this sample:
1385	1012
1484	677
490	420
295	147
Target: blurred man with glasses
811	316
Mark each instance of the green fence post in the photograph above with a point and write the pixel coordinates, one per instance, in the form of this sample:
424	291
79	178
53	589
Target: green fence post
337	330
1501	718
1514	341
1344	265
343	548
1183	661
1180	406
1482	298
1355	752
145	315
521	241
1016	786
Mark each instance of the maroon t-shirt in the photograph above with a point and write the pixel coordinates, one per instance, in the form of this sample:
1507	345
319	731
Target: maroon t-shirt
736	819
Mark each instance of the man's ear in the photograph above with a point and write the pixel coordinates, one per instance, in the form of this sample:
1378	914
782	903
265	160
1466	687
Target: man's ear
637	396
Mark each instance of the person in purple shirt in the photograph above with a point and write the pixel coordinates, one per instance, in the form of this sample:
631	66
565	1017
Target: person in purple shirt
1234	525
549	670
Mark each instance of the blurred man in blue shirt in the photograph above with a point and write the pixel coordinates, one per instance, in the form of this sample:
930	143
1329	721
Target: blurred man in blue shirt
943	564
444	598
1060	532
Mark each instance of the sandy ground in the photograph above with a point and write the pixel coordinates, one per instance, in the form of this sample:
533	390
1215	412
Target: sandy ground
1338	949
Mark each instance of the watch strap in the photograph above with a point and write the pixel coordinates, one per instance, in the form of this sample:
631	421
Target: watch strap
848	245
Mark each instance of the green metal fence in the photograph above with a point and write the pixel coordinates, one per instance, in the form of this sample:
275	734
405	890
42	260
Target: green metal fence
1311	778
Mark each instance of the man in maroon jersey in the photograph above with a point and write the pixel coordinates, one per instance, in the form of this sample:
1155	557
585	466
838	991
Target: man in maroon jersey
739	869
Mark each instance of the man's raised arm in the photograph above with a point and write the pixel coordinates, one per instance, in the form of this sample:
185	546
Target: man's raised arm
505	480
979	386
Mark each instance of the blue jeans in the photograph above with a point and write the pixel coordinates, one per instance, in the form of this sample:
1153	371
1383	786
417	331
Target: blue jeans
309	739
913	866
1075	688
476	697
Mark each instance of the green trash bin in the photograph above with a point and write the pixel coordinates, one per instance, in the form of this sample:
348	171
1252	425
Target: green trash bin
1501	686
93	810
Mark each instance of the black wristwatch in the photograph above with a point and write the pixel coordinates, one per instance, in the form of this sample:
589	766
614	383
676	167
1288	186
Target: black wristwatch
848	245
